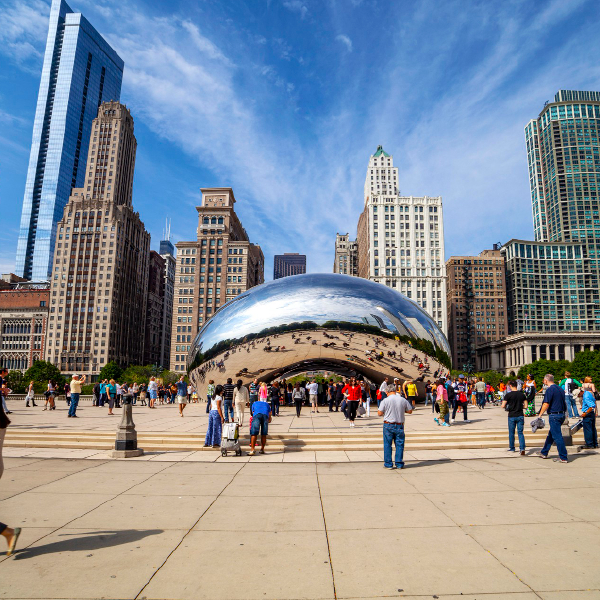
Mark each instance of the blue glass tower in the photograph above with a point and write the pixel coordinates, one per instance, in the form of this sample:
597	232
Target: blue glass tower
80	71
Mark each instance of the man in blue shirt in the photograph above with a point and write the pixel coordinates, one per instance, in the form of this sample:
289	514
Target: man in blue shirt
261	417
556	405
588	412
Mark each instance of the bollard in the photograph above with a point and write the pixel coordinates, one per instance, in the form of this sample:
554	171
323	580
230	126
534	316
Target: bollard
126	441
565	429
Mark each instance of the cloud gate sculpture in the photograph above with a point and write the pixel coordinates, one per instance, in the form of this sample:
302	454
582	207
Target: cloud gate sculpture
348	325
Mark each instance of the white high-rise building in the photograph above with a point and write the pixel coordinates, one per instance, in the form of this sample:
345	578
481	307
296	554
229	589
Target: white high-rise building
401	239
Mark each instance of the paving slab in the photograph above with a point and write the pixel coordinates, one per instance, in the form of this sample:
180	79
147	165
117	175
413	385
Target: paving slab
362	455
498	508
16	481
276	566
570	595
180	484
86	482
201	468
577	546
416	560
277	470
87	563
29	535
582	504
62	465
257	513
31	509
300	485
543	478
297	456
382	511
384	482
447	482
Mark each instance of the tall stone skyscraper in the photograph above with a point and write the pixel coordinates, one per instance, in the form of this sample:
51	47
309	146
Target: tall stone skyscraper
346	255
289	263
401	239
211	270
167	251
80	71
100	273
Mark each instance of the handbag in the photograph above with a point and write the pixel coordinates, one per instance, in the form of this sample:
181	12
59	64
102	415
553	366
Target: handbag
437	406
361	410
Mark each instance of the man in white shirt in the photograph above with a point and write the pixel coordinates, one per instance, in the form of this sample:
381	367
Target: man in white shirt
393	409
313	391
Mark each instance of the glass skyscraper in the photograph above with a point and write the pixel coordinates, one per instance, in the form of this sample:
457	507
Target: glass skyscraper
80	71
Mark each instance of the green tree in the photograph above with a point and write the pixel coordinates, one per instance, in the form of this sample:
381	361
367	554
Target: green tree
138	373
111	370
494	378
586	364
16	382
41	372
542	367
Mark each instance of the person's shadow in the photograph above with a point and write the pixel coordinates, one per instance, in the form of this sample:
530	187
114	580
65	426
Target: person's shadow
86	541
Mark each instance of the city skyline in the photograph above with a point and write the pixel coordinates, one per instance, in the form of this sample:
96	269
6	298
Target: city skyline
274	170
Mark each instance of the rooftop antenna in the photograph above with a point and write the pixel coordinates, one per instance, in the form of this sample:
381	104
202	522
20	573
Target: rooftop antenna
167	230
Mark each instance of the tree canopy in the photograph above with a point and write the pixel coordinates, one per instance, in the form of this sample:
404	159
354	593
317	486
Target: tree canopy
41	372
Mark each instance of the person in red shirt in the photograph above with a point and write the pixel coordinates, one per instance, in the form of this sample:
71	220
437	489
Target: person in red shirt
353	394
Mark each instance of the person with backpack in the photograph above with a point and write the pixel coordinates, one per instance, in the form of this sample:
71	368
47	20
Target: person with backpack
460	399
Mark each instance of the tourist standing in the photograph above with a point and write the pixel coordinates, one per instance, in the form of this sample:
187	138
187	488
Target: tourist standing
49	394
410	391
118	396
253	391
10	535
143	393
298	396
353	394
112	395
4	390
569	384
30	395
556	406
274	396
261	417
228	399
210	392
460	400
429	395
215	419
182	395
514	402
393	409
68	394
75	391
96	393
103	393
313	391
442	400
480	392
152	392
135	389
240	397
588	413
383	390
366	399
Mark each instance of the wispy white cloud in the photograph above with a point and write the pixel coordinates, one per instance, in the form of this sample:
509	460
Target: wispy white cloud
22	26
344	39
297	6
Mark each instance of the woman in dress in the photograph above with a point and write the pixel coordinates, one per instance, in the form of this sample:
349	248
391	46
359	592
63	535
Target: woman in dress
112	395
30	395
240	397
215	420
143	393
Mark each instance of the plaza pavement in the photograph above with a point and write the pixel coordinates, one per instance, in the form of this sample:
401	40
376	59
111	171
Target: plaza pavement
516	528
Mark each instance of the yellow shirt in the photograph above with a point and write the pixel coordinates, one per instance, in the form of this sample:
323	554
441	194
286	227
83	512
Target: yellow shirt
411	389
75	386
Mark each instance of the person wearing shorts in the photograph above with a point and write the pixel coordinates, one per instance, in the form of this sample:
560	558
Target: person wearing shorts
261	417
182	395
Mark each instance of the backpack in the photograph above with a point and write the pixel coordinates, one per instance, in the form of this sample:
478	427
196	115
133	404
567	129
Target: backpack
451	392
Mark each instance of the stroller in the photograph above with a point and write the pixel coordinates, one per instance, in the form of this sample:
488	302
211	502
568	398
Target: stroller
230	439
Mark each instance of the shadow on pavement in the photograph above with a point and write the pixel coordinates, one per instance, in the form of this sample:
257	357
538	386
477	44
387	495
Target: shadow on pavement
93	540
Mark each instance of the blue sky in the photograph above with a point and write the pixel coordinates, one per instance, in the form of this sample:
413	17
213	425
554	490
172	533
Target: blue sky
284	100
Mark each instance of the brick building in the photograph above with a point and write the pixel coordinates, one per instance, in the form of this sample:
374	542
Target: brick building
154	309
23	323
476	300
215	268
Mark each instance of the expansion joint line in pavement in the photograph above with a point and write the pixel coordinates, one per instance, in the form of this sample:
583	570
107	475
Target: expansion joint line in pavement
92	466
186	534
326	532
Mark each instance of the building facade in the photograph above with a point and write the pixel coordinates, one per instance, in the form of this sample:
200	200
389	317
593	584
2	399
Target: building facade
551	287
80	71
211	270
400	239
513	352
167	251
289	263
476	299
23	324
346	255
154	309
100	273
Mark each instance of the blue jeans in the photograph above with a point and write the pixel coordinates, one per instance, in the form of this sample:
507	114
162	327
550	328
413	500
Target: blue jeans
517	422
571	406
480	399
555	436
393	433
274	406
589	431
227	408
383	397
208	403
73	405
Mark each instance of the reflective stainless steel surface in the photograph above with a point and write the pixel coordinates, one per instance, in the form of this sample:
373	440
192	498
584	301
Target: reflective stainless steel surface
321	321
